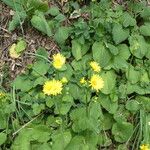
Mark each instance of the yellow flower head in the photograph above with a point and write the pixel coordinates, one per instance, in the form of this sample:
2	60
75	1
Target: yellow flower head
144	147
58	61
82	81
96	82
52	87
64	80
2	94
95	66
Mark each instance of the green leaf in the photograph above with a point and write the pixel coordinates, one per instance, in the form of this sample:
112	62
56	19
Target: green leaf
16	20
144	29
3	138
37	108
27	83
145	77
76	49
63	68
128	20
122	131
122	147
104	140
45	146
77	65
61	140
107	121
79	123
40	68
53	121
77	143
37	131
138	46
54	11
132	75
39	5
131	88
17	5
21	46
39	81
108	104
60	18
41	54
39	22
67	72
95	110
132	105
100	54
83	122
67	98
120	63
119	34
124	51
145	121
30	135
82	64
75	91
64	108
85	48
91	138
85	61
61	34
50	101
3	120
145	13
113	49
144	101
109	78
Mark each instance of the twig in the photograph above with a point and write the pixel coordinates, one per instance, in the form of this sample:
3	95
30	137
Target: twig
33	54
26	125
5	30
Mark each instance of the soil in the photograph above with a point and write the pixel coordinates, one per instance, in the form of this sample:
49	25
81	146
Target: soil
9	67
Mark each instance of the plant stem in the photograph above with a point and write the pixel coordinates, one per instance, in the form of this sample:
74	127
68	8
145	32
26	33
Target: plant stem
87	114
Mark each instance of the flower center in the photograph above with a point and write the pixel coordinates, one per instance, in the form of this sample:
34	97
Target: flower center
94	83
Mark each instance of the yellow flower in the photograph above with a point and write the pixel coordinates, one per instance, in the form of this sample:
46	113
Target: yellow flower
82	81
64	80
52	87
58	61
144	147
2	94
95	66
96	82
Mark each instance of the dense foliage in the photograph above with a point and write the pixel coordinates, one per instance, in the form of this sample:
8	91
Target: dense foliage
78	115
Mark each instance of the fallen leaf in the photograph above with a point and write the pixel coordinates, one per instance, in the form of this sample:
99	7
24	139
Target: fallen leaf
12	51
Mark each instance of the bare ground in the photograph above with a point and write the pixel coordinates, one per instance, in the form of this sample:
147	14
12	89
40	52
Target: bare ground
9	67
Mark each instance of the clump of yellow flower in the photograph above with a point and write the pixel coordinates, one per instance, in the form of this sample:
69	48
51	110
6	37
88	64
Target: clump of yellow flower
144	147
58	60
64	80
82	81
52	87
96	82
95	66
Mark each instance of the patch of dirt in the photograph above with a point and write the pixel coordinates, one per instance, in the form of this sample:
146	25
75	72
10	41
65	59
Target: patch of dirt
33	38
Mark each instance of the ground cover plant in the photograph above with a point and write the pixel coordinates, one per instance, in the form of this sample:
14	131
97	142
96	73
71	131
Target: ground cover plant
92	94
